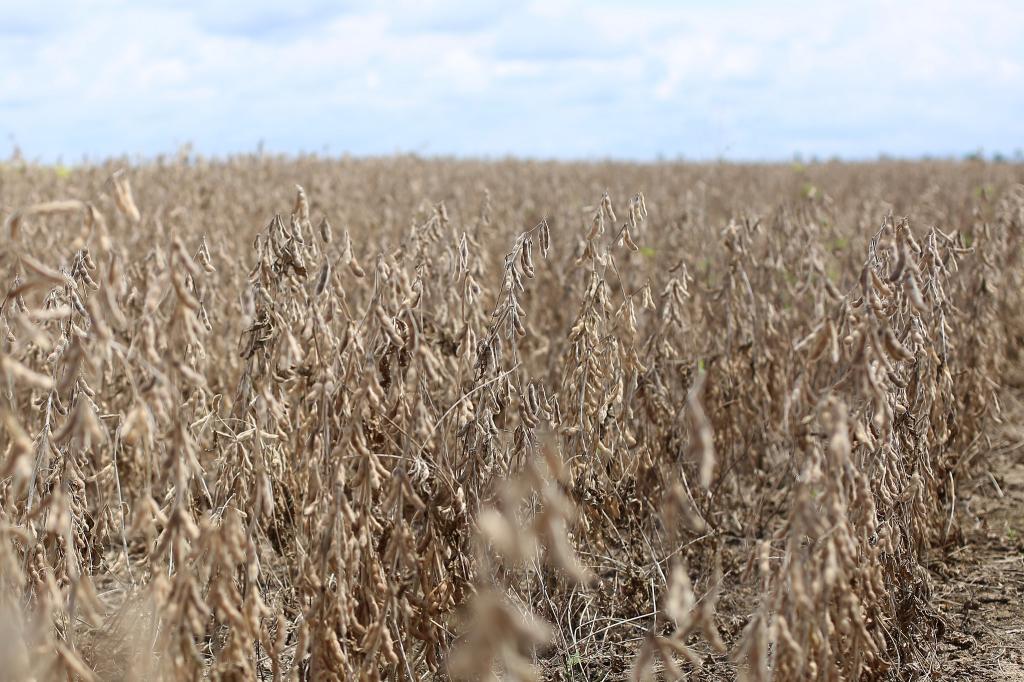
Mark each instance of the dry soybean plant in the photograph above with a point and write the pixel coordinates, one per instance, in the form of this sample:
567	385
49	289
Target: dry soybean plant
428	419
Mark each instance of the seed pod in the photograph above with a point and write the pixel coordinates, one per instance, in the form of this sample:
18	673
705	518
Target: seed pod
47	273
526	259
533	405
123	197
204	258
596	227
266	495
914	293
325	276
701	435
184	295
628	240
529	421
646	299
21	446
325	231
295	230
356	268
819	343
545	239
517	325
881	286
389	327
901	262
301	204
18	371
893	347
97	323
496	349
606	206
346	247
630	317
643	205
90	283
185	260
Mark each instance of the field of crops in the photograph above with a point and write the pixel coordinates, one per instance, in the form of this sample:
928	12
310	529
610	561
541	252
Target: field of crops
420	419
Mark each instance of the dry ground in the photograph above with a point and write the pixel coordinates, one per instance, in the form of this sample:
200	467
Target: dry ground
980	585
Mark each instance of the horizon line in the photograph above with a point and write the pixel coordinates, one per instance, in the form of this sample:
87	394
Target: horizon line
188	153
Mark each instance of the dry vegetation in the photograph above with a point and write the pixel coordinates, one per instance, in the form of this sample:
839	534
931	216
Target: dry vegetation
432	418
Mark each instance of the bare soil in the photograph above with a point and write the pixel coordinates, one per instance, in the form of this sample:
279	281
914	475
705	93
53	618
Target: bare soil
980	584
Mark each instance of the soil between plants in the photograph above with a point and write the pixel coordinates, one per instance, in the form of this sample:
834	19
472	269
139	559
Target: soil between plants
979	584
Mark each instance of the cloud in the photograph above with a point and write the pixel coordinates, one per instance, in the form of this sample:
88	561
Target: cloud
566	79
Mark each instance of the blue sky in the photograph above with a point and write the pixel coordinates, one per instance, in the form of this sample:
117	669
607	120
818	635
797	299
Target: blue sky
736	79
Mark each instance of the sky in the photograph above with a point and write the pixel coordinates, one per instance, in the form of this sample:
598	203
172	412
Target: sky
570	79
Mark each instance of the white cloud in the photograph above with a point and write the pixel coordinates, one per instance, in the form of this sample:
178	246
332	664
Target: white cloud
564	78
